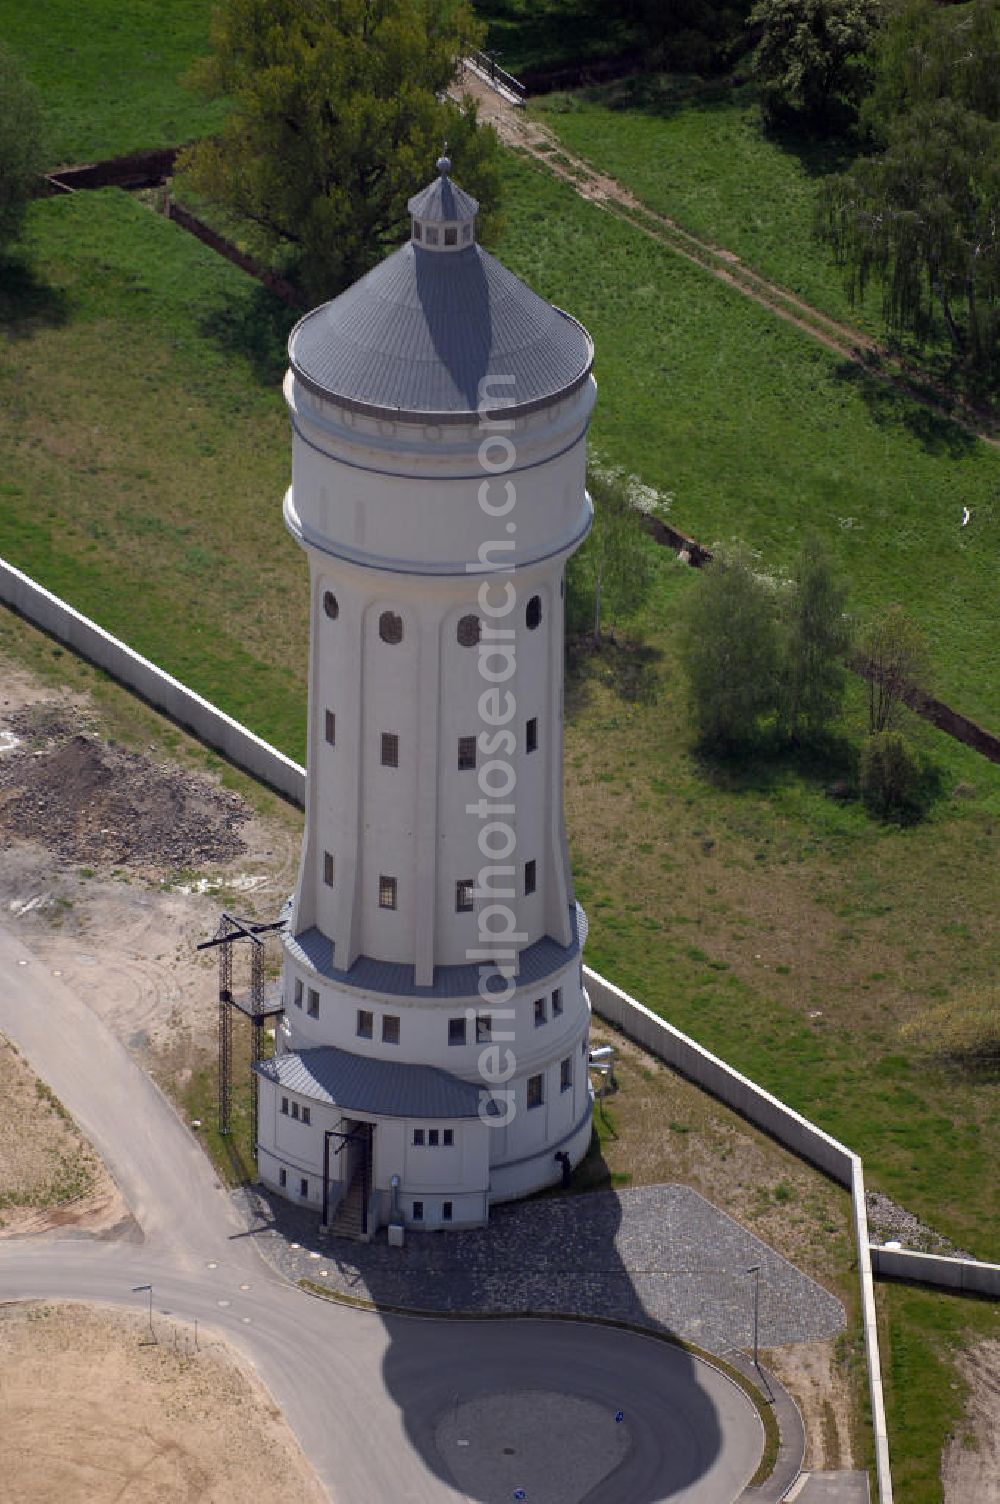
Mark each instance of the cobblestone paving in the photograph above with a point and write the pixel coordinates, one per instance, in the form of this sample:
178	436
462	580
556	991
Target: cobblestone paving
659	1256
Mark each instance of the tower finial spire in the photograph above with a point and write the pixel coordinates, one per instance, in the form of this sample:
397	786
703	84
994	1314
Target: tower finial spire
443	163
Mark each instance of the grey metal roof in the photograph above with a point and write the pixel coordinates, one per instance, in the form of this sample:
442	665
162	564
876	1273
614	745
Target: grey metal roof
395	979
359	1083
417	335
442	200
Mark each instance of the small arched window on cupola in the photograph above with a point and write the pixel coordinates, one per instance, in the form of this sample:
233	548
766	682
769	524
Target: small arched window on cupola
443	215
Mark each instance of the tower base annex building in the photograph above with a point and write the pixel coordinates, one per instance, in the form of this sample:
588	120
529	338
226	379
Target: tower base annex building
432	1055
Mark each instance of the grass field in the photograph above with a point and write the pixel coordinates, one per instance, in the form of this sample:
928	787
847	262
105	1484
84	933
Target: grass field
696	152
533	34
109	72
920	1334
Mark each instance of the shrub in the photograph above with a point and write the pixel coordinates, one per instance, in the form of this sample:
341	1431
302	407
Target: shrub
890	774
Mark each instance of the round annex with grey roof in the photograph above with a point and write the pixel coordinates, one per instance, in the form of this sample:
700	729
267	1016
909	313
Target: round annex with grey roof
440	320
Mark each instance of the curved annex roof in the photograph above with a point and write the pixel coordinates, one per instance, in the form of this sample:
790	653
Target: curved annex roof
419	335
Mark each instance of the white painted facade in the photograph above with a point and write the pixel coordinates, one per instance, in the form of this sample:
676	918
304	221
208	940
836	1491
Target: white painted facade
382	950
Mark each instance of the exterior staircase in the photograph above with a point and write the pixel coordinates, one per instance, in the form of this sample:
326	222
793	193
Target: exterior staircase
348	1221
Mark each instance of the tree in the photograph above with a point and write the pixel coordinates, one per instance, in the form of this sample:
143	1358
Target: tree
337	117
729	649
889	774
22	149
923	219
815	639
612	574
892	657
811	52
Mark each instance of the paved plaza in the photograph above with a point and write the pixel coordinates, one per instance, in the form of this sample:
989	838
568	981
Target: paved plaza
659	1256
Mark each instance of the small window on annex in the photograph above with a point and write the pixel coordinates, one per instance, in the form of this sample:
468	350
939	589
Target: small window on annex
313	1009
283	1178
448	1137
446	1211
463	895
386	892
284	1106
295	1110
418	1137
418	1211
390	627
390	749
303	1187
365	1021
432	1137
307	1115
456	1031
466	752
297	995
467	631
390	1028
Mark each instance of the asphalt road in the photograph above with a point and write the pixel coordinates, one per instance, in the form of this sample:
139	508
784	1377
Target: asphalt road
365	1394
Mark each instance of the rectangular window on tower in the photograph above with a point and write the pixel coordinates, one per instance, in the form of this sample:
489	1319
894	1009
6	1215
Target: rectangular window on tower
331	728
328	868
466	752
531	738
297	994
390	1028
446	1211
386	892
390	749
535	1091
566	1073
303	1187
463	896
484	1028
307	1115
365	1021
529	876
418	1207
283	1178
556	1002
284	1106
456	1031
539	1012
313	1009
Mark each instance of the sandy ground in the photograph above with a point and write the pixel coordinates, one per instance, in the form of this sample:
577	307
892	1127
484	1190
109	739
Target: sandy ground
49	1175
91	1410
970	1468
812	1374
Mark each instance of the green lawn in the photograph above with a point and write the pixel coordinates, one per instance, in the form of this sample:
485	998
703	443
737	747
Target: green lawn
920	1335
695	151
109	72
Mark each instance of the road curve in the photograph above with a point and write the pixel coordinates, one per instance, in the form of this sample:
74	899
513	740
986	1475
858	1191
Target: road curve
364	1394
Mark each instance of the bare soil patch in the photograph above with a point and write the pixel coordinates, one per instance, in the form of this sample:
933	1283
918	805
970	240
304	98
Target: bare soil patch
50	1176
814	1373
91	801
970	1467
91	1410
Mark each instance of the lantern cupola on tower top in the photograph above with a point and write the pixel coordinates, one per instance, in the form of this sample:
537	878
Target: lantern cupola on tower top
443	215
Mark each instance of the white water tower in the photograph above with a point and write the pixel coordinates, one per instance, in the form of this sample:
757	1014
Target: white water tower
427	1066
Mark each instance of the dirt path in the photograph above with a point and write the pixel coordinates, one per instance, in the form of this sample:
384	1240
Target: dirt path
970	1467
520	131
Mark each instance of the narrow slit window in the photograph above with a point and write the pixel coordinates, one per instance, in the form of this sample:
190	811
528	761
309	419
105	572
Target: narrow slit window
466	752
330	605
557	1003
390	627
536	1093
283	1178
533	613
297	995
565	1074
418	1211
531	736
432	1137
463	895
331	728
284	1106
529	876
313	1008
387	892
303	1187
390	749
540	1016
484	1029
448	1137
446	1211
307	1115
328	868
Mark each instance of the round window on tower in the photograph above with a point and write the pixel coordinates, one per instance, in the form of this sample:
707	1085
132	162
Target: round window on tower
533	614
390	627
331	605
467	631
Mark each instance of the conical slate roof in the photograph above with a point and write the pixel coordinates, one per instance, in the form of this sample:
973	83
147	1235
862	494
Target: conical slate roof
418	335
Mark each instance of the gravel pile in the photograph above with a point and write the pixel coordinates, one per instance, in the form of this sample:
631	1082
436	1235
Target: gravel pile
92	802
887	1221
